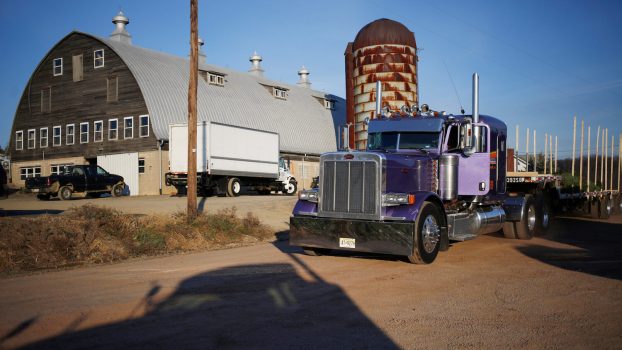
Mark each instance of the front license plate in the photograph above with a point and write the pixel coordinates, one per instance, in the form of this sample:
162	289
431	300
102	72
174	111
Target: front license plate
35	190
347	243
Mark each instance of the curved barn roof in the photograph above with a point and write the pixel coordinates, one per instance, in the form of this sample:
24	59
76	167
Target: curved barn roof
304	124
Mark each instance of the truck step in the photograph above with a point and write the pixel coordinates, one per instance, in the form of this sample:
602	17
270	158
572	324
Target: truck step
462	238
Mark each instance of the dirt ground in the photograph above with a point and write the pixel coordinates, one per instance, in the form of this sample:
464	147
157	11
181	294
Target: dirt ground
560	291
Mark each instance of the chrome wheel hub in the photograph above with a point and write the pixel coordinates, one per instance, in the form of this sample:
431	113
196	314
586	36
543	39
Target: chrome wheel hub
430	233
236	187
531	218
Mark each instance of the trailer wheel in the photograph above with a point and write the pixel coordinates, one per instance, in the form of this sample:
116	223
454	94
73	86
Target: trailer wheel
64	193
233	187
525	228
543	219
606	204
427	235
315	251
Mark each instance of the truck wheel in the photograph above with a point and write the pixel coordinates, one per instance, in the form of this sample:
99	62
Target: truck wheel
525	228
427	235
117	190
315	251
606	204
233	187
64	193
290	188
543	219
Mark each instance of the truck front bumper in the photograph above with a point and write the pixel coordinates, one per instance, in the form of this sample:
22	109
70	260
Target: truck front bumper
384	237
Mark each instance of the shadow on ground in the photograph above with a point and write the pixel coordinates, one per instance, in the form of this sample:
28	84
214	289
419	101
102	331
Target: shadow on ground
28	212
596	247
252	306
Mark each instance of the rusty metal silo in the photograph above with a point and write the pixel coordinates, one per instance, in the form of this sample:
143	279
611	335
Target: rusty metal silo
383	50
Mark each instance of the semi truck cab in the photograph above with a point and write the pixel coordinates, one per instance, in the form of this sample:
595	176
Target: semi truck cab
425	179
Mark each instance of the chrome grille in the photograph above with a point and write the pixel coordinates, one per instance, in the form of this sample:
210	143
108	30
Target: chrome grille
350	188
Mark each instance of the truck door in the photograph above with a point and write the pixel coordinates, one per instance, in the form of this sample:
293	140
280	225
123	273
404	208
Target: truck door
474	170
78	179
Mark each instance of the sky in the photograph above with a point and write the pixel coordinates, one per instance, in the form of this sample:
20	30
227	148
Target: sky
541	62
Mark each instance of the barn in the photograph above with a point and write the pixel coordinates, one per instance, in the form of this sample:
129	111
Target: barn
94	100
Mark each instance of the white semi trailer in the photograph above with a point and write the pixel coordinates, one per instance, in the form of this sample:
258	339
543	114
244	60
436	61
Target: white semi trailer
229	158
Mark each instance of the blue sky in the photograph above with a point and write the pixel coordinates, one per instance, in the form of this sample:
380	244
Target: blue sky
540	62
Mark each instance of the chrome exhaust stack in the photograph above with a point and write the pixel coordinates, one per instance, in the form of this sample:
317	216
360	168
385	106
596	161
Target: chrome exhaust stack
378	99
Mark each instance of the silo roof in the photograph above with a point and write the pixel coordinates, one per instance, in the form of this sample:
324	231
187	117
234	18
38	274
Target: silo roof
384	31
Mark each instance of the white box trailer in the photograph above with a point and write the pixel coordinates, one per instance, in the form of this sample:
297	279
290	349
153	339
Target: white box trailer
229	158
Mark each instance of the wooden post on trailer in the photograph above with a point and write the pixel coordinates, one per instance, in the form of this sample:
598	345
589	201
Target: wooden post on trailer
527	151
546	145
516	151
556	154
602	157
596	158
606	155
611	171
581	160
574	142
589	132
551	154
535	154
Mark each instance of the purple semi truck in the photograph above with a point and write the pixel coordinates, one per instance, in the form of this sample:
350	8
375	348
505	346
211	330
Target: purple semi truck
425	179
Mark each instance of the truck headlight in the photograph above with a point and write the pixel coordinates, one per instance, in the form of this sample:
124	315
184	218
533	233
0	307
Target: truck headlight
308	195
392	199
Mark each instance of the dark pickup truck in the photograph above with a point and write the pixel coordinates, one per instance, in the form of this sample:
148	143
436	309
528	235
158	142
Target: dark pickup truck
92	179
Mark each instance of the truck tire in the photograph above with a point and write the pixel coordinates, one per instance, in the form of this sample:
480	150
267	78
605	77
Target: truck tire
291	188
543	219
64	193
233	187
315	251
117	190
605	207
427	235
525	228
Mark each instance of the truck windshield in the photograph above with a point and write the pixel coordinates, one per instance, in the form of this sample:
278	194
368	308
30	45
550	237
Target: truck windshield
406	140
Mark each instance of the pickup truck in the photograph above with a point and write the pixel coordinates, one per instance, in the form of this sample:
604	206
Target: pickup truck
90	179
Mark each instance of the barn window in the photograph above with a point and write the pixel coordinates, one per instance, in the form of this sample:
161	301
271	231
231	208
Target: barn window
58	66
128	127
19	140
43	137
57	135
57	169
279	93
217	79
78	71
46	100
98	135
84	132
143	129
33	171
328	104
141	165
32	138
113	127
98	58
71	134
112	88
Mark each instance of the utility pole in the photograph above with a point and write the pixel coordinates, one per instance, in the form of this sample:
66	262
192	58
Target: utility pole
581	160
192	111
589	142
574	142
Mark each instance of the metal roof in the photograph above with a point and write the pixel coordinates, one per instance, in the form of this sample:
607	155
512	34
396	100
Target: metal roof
304	124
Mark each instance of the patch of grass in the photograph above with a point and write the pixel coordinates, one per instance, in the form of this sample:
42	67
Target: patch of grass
93	235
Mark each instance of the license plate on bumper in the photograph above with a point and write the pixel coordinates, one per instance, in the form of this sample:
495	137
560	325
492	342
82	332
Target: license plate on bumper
35	190
347	243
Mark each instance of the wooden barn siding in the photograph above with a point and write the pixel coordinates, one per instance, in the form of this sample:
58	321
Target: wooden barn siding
83	101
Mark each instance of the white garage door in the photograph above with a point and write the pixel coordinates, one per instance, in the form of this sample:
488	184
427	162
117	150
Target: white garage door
126	165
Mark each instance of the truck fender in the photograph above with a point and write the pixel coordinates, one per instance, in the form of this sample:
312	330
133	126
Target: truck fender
514	208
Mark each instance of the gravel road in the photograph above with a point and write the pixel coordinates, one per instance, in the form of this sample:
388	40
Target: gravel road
560	291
